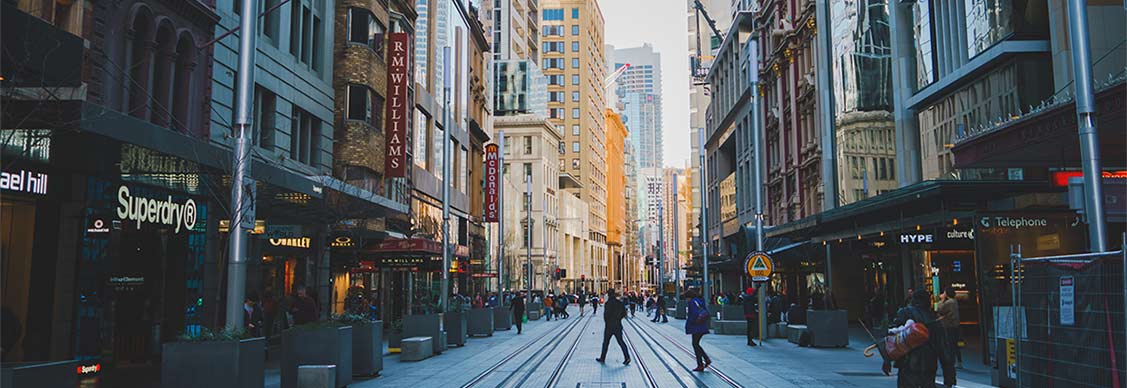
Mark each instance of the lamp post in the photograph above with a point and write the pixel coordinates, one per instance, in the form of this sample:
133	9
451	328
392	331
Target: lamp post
244	89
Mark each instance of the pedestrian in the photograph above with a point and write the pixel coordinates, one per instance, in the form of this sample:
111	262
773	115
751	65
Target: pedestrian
633	303
649	305
750	315
517	307
659	310
696	325
949	318
594	304
917	369
304	309
612	316
582	302
548	301
252	316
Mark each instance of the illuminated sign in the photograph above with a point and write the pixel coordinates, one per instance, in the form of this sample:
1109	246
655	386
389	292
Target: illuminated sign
342	241
395	160
759	266
98	226
158	211
293	242
492	183
916	238
955	234
24	181
89	369
1060	178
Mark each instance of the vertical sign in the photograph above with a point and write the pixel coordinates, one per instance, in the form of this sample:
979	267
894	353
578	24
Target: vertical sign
1067	301
492	183
395	156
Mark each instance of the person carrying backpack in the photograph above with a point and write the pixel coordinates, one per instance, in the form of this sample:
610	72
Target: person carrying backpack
917	369
696	325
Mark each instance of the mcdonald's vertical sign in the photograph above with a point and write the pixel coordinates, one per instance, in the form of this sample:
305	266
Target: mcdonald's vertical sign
492	183
398	107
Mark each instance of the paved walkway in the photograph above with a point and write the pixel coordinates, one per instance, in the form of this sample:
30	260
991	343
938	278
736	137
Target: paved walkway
533	358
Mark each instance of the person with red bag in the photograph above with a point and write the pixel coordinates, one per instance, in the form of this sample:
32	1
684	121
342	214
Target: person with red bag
917	368
696	325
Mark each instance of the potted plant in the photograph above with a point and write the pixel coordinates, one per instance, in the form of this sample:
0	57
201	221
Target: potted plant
231	358
367	344
479	321
455	323
394	335
317	343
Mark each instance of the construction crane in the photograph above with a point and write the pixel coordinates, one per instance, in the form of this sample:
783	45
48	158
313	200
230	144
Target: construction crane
698	74
614	76
711	23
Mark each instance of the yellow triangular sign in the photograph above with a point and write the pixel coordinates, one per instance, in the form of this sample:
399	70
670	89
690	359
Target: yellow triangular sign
759	264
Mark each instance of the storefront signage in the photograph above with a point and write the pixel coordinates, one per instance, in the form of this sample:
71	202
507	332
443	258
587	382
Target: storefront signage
759	266
1013	222
98	226
342	242
955	234
24	181
492	183
89	369
158	211
917	238
293	242
395	155
1067	301
283	231
489	275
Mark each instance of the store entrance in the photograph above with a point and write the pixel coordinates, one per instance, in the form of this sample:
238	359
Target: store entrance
394	288
149	293
17	235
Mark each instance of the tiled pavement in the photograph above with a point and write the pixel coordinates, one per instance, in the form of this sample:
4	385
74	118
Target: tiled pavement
544	345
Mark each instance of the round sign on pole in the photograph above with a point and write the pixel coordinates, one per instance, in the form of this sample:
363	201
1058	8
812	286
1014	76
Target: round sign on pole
759	266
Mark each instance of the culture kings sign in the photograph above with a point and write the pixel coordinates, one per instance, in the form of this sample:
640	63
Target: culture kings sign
395	155
155	210
492	183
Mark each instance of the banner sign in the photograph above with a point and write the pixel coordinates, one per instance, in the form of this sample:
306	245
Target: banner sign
492	183
398	108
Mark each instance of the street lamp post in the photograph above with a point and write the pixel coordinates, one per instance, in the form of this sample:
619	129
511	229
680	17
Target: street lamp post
443	298
244	89
528	231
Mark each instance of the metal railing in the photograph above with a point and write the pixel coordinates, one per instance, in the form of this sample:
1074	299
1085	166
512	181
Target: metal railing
1069	324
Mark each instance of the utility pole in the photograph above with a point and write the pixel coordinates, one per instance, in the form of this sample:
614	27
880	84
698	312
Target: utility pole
1086	121
757	175
676	243
528	232
661	247
244	89
704	240
501	218
446	180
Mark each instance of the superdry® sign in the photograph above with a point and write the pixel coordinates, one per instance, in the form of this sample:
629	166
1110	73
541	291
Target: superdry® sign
395	157
492	183
162	211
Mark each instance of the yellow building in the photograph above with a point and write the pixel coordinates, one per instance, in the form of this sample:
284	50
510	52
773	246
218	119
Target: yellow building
573	61
616	197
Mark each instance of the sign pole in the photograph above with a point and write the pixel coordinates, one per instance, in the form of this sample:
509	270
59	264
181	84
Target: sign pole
446	180
244	89
757	175
501	214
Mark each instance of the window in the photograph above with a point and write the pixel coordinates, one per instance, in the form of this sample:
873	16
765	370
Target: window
574	113
270	21
555	96
552	14
553	47
463	169
527	170
305	137
575	79
305	33
553	31
574	146
264	112
575	46
421	139
575	29
365	29
575	96
528	145
575	13
561	145
554	63
575	164
508	144
575	129
438	136
364	105
556	80
574	63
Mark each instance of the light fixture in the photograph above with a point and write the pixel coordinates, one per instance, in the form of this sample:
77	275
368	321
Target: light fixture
954	221
858	237
882	234
917	228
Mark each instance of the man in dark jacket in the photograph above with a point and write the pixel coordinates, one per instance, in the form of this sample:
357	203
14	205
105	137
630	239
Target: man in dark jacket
518	311
613	314
917	368
751	316
659	312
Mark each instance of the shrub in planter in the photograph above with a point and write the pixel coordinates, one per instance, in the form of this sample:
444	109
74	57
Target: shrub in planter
39	374
317	343
480	322
456	328
395	334
214	360
367	344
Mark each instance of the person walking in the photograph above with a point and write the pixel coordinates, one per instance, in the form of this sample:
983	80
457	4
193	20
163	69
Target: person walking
548	301
750	315
917	369
696	325
949	318
595	304
612	316
582	302
252	316
304	308
517	308
659	310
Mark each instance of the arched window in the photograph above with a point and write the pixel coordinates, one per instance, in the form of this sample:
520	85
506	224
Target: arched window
163	62
139	52
182	82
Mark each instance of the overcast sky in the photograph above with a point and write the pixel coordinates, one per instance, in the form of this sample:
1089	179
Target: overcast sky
662	23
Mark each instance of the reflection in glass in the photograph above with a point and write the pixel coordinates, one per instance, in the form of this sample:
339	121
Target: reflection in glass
925	51
988	21
862	88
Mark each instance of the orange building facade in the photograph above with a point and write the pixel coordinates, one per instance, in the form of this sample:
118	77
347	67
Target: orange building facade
616	198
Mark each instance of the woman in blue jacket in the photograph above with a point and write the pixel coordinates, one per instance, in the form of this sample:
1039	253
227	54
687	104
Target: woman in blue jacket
696	325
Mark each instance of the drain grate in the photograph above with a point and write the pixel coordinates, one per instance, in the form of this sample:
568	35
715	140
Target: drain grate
601	384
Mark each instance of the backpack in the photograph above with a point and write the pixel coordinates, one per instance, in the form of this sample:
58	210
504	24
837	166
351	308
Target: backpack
898	345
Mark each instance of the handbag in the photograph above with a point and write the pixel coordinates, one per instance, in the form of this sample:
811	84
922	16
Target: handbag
702	312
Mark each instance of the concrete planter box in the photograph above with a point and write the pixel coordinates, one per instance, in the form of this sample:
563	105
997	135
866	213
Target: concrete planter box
425	325
394	339
48	374
732	313
502	318
828	328
456	330
729	327
479	322
681	310
213	364
328	345
535	310
367	348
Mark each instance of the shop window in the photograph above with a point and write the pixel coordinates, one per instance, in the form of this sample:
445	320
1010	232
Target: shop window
365	29
365	105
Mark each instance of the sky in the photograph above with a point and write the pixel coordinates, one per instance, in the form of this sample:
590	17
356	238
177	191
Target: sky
664	24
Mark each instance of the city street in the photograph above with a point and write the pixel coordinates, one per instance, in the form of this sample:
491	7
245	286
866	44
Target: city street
561	353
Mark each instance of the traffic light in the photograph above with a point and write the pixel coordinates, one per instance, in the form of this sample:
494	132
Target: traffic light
557	274
562	273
